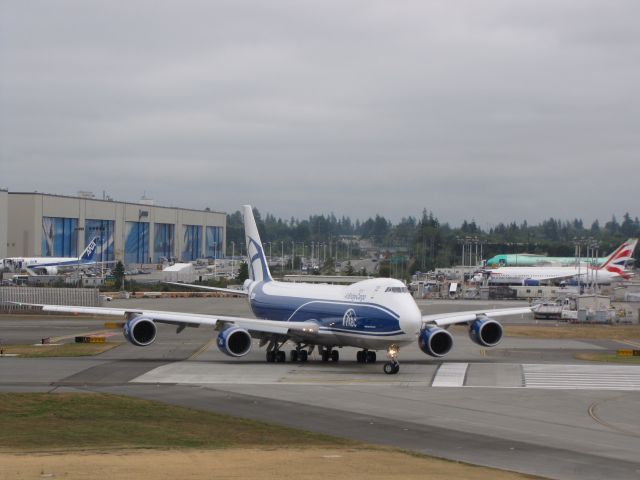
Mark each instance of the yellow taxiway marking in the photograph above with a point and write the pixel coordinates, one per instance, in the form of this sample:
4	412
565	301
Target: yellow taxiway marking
66	337
596	418
202	349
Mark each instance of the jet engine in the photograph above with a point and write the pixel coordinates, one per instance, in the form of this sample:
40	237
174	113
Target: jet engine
234	341
530	282
435	341
51	270
141	331
485	332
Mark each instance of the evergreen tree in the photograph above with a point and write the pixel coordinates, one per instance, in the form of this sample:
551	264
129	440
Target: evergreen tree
243	273
118	273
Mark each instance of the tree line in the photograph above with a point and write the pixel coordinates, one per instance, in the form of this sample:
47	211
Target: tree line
426	242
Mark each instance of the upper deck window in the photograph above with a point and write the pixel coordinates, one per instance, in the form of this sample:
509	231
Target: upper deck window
397	289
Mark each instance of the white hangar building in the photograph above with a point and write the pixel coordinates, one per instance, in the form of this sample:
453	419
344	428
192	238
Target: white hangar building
40	224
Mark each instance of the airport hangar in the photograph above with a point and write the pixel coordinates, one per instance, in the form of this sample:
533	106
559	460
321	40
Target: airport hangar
40	224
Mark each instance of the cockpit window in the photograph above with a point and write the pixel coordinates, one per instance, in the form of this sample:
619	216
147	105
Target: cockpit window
397	289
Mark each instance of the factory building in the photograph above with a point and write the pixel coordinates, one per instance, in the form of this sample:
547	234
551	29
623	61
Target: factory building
4	218
39	224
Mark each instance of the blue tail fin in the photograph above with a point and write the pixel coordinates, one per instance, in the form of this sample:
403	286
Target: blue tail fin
258	267
90	252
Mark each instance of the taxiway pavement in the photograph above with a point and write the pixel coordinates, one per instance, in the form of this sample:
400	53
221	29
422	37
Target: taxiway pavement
526	405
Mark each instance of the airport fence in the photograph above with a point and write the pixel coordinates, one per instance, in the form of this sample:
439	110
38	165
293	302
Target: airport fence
9	296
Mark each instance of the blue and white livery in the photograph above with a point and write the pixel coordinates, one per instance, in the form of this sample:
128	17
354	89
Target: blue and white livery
51	265
374	314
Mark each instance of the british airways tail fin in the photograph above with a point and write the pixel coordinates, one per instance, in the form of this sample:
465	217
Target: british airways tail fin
258	267
90	252
617	261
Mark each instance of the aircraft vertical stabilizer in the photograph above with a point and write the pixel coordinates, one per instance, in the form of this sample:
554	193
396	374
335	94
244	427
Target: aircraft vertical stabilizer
258	267
90	252
617	261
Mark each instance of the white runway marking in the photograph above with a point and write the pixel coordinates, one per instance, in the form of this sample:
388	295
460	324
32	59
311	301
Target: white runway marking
572	377
450	375
542	376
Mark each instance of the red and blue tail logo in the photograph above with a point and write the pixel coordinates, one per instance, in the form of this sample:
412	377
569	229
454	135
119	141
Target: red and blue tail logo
617	261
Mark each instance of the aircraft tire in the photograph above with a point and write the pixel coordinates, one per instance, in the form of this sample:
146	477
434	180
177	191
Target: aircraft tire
271	356
281	357
359	356
391	368
304	355
335	355
294	355
371	357
325	355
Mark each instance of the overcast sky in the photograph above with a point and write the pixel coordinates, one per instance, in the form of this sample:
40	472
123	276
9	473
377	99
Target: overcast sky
491	110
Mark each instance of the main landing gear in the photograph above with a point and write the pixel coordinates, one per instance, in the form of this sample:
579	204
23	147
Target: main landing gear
392	366
299	355
329	354
275	354
366	356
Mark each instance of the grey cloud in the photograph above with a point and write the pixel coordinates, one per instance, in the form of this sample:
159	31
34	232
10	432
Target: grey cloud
489	110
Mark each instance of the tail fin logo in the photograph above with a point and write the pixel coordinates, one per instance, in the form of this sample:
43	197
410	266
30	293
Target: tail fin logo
90	250
617	261
621	255
258	267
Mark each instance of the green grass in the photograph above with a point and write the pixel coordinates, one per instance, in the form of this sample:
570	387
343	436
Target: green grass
608	357
51	422
63	350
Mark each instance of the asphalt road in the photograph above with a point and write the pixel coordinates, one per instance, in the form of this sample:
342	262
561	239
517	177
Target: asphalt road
500	412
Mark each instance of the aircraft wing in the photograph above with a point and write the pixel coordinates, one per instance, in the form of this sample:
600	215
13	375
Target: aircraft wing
303	330
446	319
211	289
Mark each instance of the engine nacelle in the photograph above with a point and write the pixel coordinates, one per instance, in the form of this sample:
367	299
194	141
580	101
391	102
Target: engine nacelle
485	332
51	270
435	341
530	282
140	331
234	341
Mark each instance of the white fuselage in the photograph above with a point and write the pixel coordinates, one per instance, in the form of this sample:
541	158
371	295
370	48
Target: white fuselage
370	314
19	263
520	275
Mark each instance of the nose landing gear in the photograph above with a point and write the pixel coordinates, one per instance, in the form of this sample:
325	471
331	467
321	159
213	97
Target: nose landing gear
392	366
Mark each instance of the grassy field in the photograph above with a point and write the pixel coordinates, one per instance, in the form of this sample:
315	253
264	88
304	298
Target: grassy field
62	350
49	422
572	331
104	436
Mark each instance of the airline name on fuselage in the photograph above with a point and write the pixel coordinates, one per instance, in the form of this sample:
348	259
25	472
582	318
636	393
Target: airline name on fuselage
355	297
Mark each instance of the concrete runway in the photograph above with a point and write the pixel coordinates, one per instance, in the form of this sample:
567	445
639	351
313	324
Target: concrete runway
525	405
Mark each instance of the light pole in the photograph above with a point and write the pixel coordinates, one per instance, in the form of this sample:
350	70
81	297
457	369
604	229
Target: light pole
233	258
293	252
78	230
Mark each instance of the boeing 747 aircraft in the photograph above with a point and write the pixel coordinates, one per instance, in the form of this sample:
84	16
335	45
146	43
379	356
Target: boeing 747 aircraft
373	314
51	265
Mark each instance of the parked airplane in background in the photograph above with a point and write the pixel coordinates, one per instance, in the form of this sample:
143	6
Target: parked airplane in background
51	265
373	314
533	260
612	268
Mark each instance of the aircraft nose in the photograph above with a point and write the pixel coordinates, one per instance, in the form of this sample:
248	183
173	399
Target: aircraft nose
411	319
